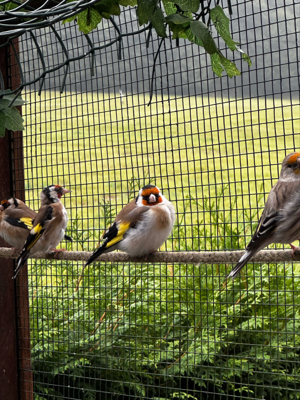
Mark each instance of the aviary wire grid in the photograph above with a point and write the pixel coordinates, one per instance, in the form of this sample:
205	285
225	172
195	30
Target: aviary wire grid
214	147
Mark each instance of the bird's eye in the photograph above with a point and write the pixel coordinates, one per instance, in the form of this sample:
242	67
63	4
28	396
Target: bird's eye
289	166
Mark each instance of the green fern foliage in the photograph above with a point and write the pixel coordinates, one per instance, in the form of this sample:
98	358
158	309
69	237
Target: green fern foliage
166	331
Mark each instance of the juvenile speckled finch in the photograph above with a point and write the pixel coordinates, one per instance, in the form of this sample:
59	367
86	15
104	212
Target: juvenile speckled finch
280	220
141	227
49	225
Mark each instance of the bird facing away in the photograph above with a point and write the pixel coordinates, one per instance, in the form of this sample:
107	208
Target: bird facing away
49	225
280	220
141	227
16	220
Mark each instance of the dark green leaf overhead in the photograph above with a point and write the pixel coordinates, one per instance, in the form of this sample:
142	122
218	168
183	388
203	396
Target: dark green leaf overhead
201	31
185	19
188	5
88	19
2	124
158	22
221	22
179	19
10	117
145	10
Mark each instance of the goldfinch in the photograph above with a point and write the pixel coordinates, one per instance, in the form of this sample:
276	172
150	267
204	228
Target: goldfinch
48	227
16	220
280	220
141	227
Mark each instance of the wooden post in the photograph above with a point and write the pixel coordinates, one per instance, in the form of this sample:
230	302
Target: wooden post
23	319
17	383
8	329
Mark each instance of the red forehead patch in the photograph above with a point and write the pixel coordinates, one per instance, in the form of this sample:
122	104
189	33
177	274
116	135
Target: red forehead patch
149	191
293	158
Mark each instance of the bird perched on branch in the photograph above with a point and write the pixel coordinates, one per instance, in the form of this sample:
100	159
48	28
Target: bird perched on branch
280	220
48	227
16	221
141	227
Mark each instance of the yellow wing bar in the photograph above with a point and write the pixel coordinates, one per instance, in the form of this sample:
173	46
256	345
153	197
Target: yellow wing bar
35	234
27	221
123	227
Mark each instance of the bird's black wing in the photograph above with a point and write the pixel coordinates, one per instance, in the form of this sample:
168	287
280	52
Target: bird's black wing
111	237
44	215
25	223
118	229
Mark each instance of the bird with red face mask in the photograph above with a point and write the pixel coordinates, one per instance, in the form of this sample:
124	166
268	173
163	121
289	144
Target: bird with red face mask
280	220
16	221
141	227
49	225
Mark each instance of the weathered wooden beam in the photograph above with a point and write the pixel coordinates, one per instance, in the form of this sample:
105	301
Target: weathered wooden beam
14	296
9	385
22	300
170	257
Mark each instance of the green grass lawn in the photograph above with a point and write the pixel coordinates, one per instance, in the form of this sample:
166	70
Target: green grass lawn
103	148
149	330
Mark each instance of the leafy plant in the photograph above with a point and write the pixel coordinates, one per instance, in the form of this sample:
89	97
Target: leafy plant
162	332
10	117
181	17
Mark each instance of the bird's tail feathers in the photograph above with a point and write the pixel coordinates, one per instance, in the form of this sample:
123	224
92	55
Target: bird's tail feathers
21	261
68	238
102	249
243	260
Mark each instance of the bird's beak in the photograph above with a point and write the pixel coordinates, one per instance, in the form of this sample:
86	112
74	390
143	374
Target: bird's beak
1	208
152	198
66	191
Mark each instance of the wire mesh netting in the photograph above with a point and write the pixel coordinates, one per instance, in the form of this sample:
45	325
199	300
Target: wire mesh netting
214	147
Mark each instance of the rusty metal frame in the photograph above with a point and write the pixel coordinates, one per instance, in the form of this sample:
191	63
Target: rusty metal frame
16	378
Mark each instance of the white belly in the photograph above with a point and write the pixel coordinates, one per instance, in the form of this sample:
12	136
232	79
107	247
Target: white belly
51	240
145	238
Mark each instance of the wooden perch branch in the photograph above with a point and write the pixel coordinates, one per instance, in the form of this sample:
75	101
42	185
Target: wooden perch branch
169	257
